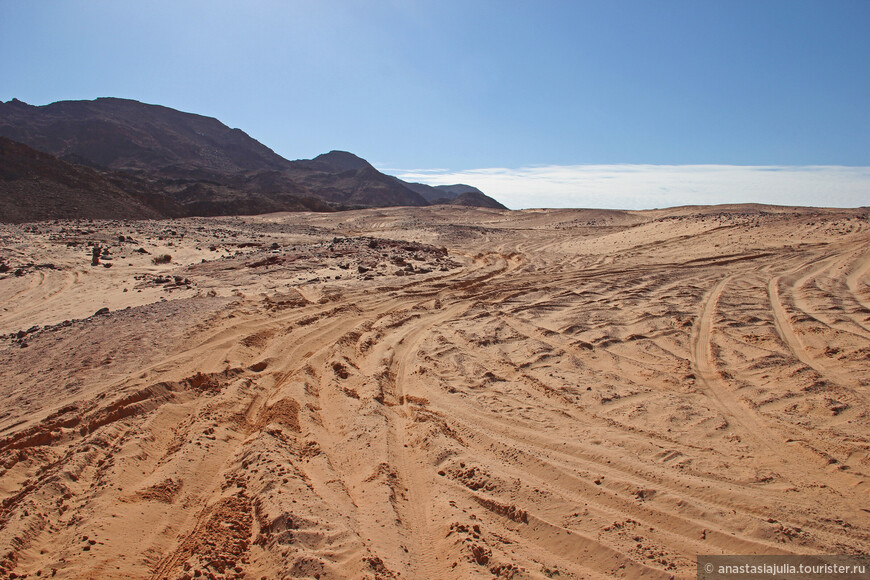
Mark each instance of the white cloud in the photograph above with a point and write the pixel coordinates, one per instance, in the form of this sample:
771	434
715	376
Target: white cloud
651	186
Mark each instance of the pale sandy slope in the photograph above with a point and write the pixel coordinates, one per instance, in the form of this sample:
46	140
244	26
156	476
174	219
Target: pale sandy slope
564	394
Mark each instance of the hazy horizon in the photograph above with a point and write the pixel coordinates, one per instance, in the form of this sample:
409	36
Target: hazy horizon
644	186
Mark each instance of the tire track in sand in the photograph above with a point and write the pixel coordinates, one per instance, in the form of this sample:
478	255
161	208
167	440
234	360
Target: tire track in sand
832	314
853	282
709	378
786	332
716	388
781	456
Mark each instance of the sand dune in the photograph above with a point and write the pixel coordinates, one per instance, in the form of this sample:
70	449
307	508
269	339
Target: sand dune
434	393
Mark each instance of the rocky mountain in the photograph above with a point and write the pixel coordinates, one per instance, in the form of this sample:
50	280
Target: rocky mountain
348	181
188	164
122	134
38	186
476	199
454	191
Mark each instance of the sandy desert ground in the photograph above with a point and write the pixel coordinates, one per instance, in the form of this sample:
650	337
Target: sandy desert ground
434	393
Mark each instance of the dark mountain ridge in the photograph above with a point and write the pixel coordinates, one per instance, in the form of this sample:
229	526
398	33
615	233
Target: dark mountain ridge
116	134
188	164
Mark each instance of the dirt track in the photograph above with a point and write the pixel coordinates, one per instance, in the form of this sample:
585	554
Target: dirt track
561	394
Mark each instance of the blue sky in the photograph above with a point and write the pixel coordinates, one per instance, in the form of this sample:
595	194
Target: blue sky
456	87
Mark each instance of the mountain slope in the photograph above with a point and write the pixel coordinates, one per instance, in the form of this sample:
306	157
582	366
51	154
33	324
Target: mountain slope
124	134
454	191
38	186
202	165
459	194
349	181
476	199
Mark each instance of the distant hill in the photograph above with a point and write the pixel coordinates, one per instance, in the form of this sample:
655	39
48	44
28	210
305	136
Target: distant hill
459	194
188	164
348	181
456	190
476	198
340	161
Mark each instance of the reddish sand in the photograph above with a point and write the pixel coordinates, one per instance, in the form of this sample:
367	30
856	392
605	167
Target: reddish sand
434	393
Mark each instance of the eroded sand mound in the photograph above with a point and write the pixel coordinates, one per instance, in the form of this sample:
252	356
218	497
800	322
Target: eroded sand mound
433	393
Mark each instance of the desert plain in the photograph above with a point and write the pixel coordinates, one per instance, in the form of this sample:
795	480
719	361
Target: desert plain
438	392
